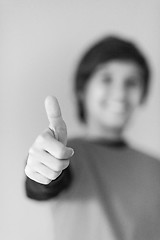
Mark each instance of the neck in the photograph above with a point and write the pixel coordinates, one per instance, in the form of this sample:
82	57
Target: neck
105	133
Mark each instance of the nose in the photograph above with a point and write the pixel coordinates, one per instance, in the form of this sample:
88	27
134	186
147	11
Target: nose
118	93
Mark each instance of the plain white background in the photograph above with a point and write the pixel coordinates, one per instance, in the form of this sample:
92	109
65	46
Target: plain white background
40	44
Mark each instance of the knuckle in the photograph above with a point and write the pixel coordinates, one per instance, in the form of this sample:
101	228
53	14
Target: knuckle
56	174
61	165
40	139
45	172
27	171
62	152
51	175
43	139
66	164
46	181
35	176
32	161
29	160
31	151
58	167
47	135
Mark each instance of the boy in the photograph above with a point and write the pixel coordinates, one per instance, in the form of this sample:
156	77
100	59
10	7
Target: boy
109	190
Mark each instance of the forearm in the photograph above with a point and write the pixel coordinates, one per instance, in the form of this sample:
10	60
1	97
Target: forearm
38	191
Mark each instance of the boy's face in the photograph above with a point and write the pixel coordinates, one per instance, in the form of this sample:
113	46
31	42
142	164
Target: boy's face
112	93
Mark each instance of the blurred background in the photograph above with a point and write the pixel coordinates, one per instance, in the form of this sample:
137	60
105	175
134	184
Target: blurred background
40	44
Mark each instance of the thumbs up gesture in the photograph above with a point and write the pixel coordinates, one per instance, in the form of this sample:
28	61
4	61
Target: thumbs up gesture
49	156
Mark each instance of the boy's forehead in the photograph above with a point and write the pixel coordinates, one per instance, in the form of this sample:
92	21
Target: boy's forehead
129	66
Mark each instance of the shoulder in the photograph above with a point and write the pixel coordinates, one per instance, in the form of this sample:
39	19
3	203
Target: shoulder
144	160
142	154
126	150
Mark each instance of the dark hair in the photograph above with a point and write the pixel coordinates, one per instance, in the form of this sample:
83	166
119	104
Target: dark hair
105	50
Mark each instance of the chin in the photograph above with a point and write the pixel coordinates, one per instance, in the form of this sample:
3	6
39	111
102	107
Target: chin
116	123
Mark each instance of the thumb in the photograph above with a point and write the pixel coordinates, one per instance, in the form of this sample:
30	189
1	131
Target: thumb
56	122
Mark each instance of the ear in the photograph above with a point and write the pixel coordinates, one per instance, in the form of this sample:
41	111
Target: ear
81	108
81	96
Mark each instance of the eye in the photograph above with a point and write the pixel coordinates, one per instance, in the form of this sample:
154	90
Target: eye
132	83
107	79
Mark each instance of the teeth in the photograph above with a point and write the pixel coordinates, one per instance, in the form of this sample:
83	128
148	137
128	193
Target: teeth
116	107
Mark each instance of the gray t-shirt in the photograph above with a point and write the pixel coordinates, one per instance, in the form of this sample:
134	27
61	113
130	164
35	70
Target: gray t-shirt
110	191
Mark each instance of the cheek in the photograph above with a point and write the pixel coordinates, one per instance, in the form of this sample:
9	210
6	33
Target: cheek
95	96
135	98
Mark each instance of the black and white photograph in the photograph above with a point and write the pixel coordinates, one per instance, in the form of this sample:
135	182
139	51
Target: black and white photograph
80	119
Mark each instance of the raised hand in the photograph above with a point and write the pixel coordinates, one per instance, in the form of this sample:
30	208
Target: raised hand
56	123
49	156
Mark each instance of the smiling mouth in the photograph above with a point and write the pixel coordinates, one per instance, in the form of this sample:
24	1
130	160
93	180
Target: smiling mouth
116	107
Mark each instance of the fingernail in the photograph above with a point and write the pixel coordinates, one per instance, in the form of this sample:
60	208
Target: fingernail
72	151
